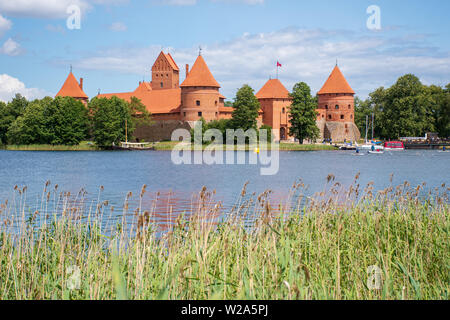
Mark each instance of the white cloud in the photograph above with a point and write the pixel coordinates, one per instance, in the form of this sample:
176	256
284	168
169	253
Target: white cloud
367	60
48	8
179	2
118	27
11	48
5	25
193	2
10	86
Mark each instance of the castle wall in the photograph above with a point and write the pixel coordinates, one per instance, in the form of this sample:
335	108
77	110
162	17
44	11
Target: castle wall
276	115
160	130
197	102
336	107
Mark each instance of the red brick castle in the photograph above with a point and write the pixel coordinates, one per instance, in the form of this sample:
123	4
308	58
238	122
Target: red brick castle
174	105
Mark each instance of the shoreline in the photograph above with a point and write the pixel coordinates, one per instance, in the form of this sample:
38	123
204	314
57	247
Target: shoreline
161	146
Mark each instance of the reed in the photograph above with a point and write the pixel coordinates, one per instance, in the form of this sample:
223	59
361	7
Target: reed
316	247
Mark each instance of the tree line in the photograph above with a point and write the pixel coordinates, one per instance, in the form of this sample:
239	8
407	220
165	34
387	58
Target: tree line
67	121
406	109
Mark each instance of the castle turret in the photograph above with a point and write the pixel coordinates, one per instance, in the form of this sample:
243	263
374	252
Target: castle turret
165	73
275	101
199	93
336	109
71	88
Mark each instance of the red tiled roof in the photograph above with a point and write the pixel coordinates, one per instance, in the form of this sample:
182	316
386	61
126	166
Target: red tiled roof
336	83
71	88
156	101
273	89
172	62
221	96
169	59
200	76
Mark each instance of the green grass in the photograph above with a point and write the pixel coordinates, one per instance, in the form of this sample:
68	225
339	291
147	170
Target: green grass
284	146
320	249
83	146
159	146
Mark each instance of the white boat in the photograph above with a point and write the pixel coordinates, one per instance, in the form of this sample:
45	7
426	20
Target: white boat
368	146
378	151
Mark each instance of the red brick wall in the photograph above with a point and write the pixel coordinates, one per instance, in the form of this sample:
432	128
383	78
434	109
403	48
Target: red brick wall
163	73
327	107
209	103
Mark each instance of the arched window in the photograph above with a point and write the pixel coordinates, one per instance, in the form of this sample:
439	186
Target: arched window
349	106
283	110
337	106
326	106
197	102
329	116
162	85
342	116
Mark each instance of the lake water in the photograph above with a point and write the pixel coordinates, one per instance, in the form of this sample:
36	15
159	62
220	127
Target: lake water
123	172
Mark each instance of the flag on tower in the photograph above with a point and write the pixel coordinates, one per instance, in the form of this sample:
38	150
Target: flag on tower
278	65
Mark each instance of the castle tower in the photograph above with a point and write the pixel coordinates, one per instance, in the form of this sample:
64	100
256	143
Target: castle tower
71	88
336	109
165	73
199	93
275	100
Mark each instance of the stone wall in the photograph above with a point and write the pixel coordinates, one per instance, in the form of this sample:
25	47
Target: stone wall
160	130
339	131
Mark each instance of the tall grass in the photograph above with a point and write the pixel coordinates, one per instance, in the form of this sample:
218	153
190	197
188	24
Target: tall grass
308	248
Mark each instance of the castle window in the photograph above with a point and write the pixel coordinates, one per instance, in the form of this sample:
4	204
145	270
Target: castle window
197	102
329	116
283	110
337	106
199	113
323	116
342	116
351	116
326	106
162	85
184	114
215	102
167	75
349	106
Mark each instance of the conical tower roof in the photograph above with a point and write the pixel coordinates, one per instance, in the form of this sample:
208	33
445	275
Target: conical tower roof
336	83
200	76
273	89
71	88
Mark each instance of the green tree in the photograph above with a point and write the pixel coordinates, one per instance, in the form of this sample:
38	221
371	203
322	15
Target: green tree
302	113
140	114
439	103
406	109
60	121
246	108
9	113
30	127
109	118
66	121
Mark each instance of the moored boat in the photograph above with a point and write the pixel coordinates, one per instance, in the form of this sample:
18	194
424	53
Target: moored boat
134	146
394	146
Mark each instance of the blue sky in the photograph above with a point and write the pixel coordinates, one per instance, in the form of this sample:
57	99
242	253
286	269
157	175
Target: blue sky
241	40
